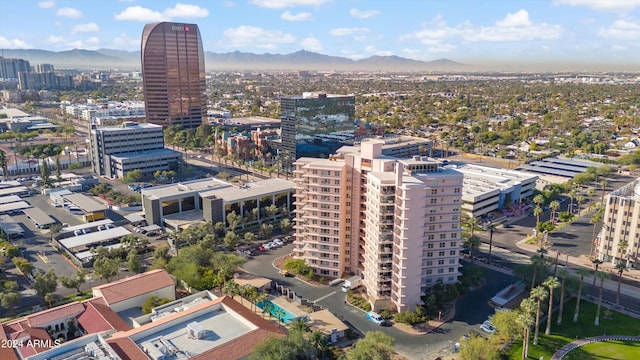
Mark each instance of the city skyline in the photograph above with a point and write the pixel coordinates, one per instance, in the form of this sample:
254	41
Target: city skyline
554	31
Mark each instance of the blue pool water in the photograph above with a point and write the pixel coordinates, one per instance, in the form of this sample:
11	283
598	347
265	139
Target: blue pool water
287	318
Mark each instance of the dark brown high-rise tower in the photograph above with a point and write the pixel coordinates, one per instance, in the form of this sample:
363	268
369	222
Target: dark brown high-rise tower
173	74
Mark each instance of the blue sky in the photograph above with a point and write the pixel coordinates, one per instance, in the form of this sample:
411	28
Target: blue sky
582	31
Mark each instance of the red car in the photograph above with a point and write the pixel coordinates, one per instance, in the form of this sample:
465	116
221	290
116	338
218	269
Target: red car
261	248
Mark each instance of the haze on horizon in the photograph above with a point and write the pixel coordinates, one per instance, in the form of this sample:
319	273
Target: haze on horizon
579	35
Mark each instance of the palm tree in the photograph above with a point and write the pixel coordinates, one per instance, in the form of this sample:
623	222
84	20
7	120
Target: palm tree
538	293
262	299
3	164
232	289
251	293
525	319
590	192
597	263
471	223
554	205
491	227
582	273
537	212
551	283
472	243
300	325
602	276
562	274
537	262
596	218
603	186
279	314
621	266
268	308
538	199
572	195
579	199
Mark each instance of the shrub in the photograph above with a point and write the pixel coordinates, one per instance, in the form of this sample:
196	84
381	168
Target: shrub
297	266
411	317
386	314
23	265
153	301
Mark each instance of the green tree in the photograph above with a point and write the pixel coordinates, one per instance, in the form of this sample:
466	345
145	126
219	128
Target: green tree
152	302
75	281
562	274
3	164
525	320
551	283
133	261
375	345
231	239
10	300
539	293
45	283
250	237
45	173
106	268
279	313
505	323
49	298
472	243
602	276
479	348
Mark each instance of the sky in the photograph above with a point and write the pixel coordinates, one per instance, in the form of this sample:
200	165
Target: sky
468	31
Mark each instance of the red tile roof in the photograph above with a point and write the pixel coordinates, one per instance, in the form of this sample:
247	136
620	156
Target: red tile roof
134	286
127	349
62	312
109	315
92	321
6	353
38	337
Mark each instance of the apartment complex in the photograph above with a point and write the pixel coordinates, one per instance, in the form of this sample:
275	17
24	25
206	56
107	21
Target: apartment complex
395	222
173	74
117	150
619	238
315	124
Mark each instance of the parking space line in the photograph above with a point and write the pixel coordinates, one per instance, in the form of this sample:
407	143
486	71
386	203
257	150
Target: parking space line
324	297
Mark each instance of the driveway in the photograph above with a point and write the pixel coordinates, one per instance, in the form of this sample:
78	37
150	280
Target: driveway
471	310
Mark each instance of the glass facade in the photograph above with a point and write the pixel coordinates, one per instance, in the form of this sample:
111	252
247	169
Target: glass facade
173	74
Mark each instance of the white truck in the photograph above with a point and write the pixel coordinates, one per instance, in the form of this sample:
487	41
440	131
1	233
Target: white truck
351	283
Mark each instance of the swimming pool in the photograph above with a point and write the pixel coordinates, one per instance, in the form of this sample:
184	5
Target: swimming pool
287	318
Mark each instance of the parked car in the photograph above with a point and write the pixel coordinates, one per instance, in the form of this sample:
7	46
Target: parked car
77	232
487	327
267	246
261	248
375	318
279	242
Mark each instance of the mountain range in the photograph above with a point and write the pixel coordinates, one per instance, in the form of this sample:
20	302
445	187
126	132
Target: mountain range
240	61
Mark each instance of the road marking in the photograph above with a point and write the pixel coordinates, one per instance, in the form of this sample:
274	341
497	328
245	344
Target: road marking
324	297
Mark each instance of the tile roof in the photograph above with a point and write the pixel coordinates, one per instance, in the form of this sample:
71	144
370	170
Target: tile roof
62	312
42	338
109	315
126	348
92	321
134	286
6	353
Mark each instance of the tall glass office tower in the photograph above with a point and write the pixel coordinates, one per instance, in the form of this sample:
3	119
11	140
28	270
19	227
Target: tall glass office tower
173	74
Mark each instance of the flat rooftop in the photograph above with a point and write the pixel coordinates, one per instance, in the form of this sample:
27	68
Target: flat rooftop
148	154
10	199
13	190
131	126
85	203
159	192
94	237
251	190
38	216
219	325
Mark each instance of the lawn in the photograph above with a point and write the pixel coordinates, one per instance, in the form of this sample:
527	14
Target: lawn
619	350
617	324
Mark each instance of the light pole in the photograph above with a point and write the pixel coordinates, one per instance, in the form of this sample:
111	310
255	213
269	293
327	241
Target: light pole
491	227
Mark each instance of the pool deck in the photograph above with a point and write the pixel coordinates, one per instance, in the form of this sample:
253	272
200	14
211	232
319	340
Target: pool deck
289	305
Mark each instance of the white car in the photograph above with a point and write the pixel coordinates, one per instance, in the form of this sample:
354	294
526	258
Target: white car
487	327
267	246
279	242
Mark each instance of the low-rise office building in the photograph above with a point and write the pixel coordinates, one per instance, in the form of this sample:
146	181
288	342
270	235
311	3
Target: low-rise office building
486	189
117	150
181	204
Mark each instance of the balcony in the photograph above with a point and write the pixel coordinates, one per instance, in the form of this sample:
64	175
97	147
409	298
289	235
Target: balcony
386	249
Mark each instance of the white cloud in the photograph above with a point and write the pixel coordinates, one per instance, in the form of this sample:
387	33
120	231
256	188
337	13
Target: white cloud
621	30
245	36
281	4
124	41
513	28
46	4
186	11
348	31
139	13
311	44
13	43
604	5
89	27
363	14
142	14
69	12
296	17
52	39
91	43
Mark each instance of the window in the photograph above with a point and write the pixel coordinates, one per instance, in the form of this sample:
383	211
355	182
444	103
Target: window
441	253
429	246
442	244
453	252
453	244
440	262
